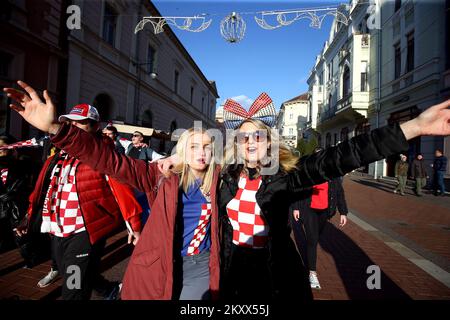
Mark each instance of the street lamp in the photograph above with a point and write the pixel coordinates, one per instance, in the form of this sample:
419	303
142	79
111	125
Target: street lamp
153	75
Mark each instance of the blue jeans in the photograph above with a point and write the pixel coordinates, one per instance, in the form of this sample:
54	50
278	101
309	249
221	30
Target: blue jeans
196	277
440	181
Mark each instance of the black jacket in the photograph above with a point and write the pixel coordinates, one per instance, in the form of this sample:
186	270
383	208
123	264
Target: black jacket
277	192
440	164
418	169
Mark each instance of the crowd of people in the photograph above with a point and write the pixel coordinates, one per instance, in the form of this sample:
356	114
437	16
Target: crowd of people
217	230
417	170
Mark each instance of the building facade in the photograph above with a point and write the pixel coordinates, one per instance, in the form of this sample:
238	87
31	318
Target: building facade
338	82
413	68
292	119
142	79
360	83
33	49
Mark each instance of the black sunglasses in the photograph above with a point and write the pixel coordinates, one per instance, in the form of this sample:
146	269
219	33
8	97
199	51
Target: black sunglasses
258	136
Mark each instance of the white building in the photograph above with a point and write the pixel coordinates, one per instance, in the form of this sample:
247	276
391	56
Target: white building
292	119
338	86
351	94
111	67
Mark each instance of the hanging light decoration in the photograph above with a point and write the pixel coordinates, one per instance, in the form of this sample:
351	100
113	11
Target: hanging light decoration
232	28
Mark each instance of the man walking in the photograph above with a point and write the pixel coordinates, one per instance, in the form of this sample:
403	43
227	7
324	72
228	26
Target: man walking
401	173
419	173
439	168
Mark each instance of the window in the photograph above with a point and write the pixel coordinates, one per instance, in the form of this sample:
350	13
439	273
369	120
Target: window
346	82
5	63
335	139
410	53
398	4
397	61
109	25
173	126
175	81
330	97
192	94
330	71
147	119
104	104
203	104
291	131
363	76
151	55
321	79
291	116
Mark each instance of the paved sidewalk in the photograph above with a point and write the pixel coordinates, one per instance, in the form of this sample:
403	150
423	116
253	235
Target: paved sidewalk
384	229
418	225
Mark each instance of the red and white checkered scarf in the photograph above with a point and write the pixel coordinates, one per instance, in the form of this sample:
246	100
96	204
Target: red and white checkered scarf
61	214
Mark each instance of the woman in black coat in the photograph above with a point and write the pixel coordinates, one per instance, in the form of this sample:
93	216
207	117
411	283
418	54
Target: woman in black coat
312	212
272	269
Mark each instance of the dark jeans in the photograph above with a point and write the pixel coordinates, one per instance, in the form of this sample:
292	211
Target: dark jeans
314	222
78	263
249	277
439	181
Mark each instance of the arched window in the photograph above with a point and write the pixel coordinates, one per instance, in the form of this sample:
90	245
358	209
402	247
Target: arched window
344	134
147	119
346	82
104	104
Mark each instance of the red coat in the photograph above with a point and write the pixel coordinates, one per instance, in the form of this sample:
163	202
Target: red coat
99	207
150	271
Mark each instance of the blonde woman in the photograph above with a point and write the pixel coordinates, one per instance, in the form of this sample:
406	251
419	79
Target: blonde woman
177	256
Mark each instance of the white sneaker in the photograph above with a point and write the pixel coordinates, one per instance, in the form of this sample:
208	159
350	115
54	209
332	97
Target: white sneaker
48	279
314	281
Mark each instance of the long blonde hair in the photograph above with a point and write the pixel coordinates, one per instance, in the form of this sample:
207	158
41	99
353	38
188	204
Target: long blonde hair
287	159
187	178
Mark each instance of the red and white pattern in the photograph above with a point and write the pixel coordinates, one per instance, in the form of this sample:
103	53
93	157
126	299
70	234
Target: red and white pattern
262	109
64	217
4	175
249	227
28	143
200	231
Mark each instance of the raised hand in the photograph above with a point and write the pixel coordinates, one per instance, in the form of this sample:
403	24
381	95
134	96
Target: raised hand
30	106
434	121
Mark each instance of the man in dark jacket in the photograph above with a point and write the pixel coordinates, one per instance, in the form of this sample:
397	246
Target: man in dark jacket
439	168
112	133
419	173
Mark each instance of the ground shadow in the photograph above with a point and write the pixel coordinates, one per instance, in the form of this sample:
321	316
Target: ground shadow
351	263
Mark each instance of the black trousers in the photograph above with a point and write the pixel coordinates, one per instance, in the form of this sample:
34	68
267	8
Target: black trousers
249	277
314	221
78	263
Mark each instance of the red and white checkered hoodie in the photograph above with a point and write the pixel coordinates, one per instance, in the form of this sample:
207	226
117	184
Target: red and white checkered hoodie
249	227
61	214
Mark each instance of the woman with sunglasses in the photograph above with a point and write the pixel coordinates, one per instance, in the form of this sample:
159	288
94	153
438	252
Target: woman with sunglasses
177	256
261	178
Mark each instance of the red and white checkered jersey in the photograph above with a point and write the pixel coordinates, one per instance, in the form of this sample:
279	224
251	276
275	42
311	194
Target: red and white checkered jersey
249	227
61	214
4	175
200	231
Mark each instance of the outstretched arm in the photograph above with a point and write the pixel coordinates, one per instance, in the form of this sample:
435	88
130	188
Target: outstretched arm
366	148
82	145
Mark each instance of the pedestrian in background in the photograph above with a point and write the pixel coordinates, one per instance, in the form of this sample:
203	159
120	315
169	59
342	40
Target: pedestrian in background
419	173
401	173
112	133
315	210
439	168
